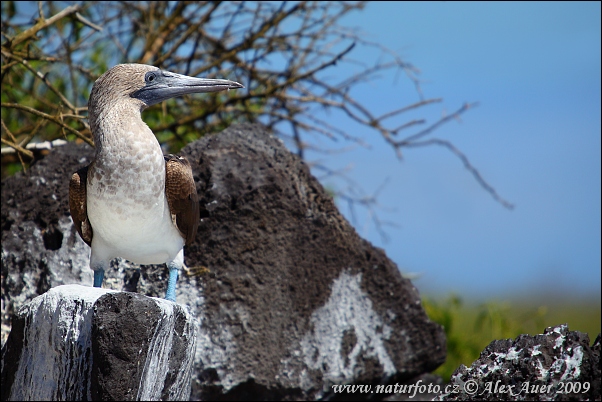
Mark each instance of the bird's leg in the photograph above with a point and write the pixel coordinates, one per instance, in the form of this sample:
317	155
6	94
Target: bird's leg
174	267
98	264
171	284
99	275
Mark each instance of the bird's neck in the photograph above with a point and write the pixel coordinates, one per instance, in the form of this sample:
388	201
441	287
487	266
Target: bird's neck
119	130
128	155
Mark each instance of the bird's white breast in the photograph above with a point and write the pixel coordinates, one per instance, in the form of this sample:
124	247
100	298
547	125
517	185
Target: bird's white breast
126	203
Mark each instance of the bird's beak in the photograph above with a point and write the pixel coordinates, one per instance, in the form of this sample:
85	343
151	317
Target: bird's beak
161	85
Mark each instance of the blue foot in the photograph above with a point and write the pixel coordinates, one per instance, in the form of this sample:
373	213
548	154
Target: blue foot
99	275
171	284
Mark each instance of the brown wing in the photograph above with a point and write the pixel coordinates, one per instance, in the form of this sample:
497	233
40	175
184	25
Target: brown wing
78	204
181	196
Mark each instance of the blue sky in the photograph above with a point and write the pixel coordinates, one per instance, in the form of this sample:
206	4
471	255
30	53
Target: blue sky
535	70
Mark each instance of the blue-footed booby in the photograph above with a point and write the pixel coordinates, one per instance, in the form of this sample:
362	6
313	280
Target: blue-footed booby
132	201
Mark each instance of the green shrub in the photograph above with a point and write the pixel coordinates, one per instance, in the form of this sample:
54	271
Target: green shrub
471	327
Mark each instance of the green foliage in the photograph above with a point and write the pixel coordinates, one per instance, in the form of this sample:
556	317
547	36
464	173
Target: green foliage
469	328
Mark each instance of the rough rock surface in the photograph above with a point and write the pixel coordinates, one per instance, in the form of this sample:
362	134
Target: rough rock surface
143	349
558	365
289	298
83	343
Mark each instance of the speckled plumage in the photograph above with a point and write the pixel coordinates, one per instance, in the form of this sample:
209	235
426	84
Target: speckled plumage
131	201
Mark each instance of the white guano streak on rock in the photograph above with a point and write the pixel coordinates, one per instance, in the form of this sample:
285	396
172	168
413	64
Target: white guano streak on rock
157	361
156	366
348	308
570	363
44	367
181	387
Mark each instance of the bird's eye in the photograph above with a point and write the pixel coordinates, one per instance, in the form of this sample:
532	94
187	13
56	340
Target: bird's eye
150	77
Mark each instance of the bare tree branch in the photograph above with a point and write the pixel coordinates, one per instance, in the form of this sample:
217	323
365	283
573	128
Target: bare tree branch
43	23
285	53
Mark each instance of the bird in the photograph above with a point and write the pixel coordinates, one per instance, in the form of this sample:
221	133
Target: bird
132	201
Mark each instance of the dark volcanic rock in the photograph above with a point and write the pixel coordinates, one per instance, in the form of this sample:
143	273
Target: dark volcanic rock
306	301
289	298
35	218
143	349
83	343
558	365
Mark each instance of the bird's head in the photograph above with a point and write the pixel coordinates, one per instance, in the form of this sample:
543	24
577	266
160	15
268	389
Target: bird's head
145	85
